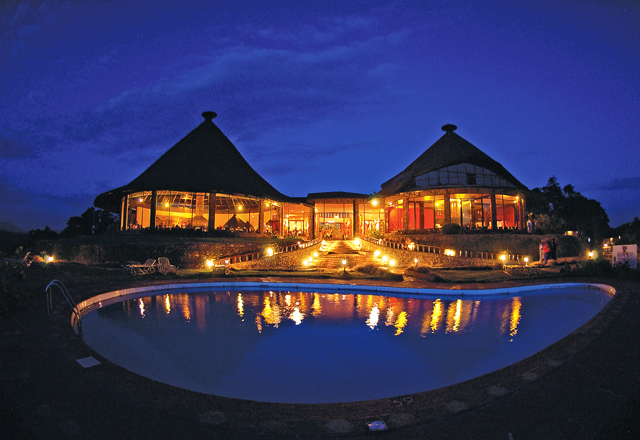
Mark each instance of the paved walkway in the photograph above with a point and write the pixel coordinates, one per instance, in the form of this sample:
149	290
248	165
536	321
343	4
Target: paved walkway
575	389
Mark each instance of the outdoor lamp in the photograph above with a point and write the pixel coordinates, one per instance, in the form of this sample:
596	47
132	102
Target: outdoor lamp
344	266
503	257
209	264
392	263
269	252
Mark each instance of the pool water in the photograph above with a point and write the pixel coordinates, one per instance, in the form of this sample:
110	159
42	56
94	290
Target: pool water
322	347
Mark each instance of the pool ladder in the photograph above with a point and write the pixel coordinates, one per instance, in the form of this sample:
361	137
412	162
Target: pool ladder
76	323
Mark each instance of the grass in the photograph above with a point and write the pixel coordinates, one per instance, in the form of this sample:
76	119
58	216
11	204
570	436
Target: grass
487	276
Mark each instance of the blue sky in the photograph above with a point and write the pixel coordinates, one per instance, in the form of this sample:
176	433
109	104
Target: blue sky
318	96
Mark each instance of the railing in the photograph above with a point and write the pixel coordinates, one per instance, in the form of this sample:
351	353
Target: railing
232	259
67	297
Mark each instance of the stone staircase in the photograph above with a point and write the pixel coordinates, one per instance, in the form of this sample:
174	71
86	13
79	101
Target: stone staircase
333	252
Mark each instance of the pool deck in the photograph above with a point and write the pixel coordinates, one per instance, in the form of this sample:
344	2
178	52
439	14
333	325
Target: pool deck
585	386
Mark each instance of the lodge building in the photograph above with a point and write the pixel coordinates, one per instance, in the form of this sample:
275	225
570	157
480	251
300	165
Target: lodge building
203	182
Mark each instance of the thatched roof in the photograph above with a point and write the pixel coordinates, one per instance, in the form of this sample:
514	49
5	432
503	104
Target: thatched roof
449	150
336	195
205	160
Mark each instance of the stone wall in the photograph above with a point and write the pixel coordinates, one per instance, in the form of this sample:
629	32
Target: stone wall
406	258
283	260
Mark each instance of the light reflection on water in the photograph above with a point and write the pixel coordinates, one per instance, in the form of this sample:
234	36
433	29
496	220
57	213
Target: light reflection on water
272	308
328	347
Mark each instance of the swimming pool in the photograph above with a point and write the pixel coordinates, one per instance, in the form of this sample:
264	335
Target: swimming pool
295	345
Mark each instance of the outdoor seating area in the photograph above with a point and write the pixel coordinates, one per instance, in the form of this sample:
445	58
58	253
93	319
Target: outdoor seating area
150	266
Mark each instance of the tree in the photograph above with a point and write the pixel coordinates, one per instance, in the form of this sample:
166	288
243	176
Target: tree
91	222
39	234
558	209
553	194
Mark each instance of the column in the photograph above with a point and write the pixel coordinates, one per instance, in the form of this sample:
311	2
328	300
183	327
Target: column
494	212
211	225
123	213
355	223
405	214
261	218
420	206
447	208
154	203
312	223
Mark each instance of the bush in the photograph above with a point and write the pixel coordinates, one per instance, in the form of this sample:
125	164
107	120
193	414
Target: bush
451	229
369	269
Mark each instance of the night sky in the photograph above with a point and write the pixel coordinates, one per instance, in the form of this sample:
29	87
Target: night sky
317	96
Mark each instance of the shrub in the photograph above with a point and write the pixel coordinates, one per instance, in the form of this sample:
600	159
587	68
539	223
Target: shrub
451	229
369	269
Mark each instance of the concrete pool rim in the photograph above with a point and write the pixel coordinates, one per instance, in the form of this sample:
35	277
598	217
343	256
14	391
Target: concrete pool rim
351	417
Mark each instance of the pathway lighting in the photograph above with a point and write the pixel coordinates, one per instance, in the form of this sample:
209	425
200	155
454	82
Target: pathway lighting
49	259
268	252
305	262
344	266
415	261
209	264
357	241
392	263
315	254
503	257
450	252
385	258
376	254
526	260
411	246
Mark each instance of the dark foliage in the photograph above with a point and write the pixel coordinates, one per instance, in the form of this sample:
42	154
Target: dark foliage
42	234
628	233
557	210
91	222
451	229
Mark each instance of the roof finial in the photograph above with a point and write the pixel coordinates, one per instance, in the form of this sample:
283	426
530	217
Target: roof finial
208	116
449	128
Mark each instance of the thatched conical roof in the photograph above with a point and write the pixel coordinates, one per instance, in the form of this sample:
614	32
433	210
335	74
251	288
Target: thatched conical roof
205	160
450	149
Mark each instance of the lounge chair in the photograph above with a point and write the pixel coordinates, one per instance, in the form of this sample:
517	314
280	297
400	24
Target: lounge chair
164	267
19	262
149	266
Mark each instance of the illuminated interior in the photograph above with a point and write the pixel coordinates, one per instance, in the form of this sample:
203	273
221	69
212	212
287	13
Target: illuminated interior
190	210
470	211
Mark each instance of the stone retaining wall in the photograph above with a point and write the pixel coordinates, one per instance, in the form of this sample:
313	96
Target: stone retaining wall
407	258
